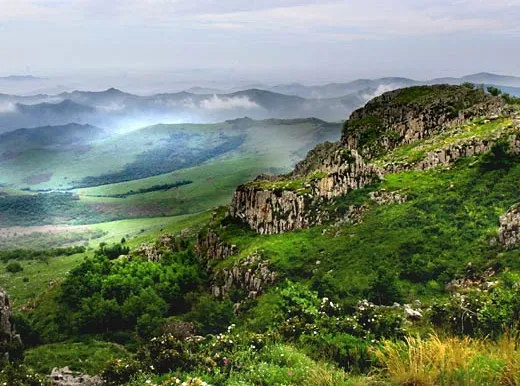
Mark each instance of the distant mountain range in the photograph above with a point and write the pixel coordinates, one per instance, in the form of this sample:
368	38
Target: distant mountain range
334	90
49	137
116	110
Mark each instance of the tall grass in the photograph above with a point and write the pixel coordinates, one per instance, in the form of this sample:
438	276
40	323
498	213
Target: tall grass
450	361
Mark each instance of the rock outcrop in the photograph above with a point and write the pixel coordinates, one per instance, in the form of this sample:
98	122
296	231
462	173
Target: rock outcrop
9	340
253	276
281	204
211	247
66	377
271	208
509	231
407	115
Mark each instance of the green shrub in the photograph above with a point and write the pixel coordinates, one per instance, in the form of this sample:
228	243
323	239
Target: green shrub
14	267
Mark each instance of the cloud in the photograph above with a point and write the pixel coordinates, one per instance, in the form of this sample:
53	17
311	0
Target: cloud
381	89
217	103
7	107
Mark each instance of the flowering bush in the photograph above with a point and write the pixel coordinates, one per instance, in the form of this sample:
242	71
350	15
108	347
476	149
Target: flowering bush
480	312
168	353
120	371
15	375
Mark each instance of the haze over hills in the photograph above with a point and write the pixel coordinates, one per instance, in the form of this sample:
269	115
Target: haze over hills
117	110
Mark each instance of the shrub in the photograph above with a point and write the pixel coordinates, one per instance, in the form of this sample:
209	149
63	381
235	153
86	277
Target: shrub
14	267
121	371
348	351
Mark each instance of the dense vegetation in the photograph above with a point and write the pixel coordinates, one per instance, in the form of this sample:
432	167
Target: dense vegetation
153	188
48	208
44	254
173	154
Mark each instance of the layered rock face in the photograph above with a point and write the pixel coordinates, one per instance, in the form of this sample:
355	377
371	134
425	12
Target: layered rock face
272	211
509	232
8	337
407	115
211	247
252	275
270	206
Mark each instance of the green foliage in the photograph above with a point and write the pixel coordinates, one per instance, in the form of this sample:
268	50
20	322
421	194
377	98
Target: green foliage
494	91
480	313
211	316
174	154
43	255
384	288
106	295
153	188
14	267
120	371
19	375
87	358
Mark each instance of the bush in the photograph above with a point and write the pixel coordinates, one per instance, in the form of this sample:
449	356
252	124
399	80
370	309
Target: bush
121	371
14	267
348	351
211	316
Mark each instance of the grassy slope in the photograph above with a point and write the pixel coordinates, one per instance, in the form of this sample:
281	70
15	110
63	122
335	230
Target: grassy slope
450	219
41	274
283	143
270	146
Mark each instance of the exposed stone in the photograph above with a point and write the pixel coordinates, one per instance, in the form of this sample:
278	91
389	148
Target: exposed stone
411	313
66	377
269	211
210	246
383	197
473	279
253	275
396	120
150	252
269	206
509	231
8	337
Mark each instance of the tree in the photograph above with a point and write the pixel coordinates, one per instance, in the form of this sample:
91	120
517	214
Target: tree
494	91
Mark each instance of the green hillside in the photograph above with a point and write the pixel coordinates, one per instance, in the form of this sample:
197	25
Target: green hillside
374	263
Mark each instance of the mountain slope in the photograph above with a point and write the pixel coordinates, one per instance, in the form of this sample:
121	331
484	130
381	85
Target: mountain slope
405	228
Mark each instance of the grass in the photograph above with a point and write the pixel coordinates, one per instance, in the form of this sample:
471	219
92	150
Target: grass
279	143
36	277
416	151
449	220
270	147
436	361
86	358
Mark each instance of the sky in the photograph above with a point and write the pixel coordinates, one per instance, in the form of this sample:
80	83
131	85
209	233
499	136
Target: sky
309	41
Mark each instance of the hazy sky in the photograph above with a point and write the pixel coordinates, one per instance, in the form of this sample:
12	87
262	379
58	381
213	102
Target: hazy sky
292	40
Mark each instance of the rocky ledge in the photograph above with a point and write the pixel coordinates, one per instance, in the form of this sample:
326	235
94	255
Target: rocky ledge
253	275
8	338
509	231
272	205
66	377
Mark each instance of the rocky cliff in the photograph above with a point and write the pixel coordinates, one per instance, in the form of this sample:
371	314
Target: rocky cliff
9	340
402	117
509	232
411	114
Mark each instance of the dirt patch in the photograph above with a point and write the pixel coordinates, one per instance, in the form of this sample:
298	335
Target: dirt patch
38	179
